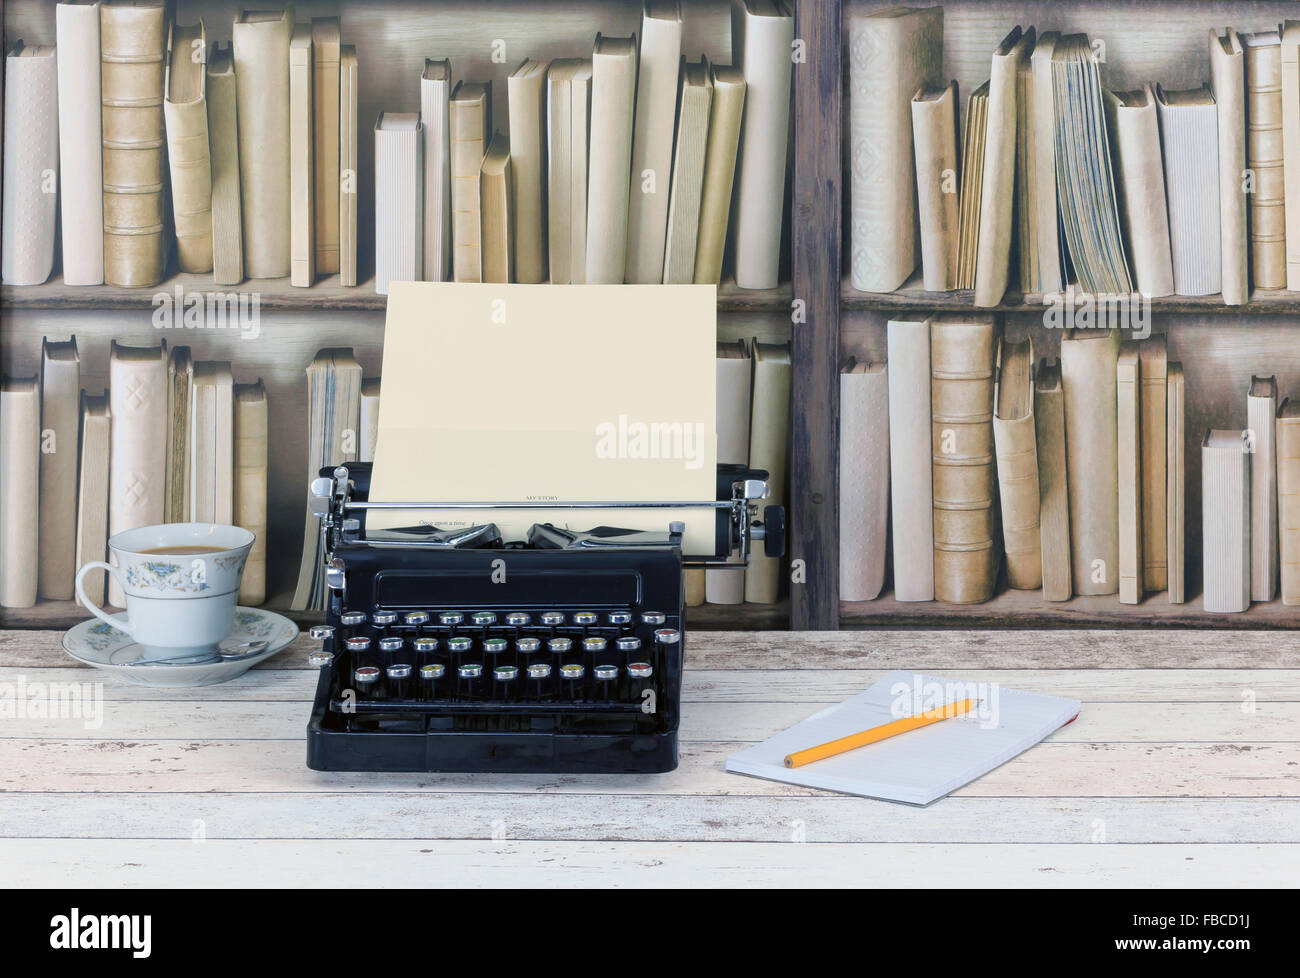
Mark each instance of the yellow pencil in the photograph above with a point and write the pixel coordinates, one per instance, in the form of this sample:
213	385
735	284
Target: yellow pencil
891	729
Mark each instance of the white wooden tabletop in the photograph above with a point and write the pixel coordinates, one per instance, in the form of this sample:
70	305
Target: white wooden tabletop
1182	770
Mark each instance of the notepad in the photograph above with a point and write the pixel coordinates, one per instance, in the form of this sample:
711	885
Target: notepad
922	765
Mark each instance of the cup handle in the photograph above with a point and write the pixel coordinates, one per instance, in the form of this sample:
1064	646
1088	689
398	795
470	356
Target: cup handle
94	609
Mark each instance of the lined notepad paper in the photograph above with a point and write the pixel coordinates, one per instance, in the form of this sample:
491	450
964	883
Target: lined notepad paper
919	766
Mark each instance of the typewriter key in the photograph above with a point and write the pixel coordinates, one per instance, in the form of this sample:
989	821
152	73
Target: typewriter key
495	646
484	618
667	636
605	675
321	632
572	673
653	618
320	658
391	643
383	618
398	674
358	643
429	676
469	672
504	676
584	618
552	618
518	618
366	678
425	646
639	670
450	618
352	618
459	643
559	644
620	617
527	645
628	643
594	643
417	618
539	672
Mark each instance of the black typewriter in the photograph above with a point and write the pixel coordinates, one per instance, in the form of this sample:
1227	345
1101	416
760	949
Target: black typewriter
456	650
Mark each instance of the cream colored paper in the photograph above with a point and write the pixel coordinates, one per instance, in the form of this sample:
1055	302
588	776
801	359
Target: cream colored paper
505	393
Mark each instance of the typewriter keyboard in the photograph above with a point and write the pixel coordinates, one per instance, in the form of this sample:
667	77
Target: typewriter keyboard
533	662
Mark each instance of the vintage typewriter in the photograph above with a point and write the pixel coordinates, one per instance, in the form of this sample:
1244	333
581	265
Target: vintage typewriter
456	650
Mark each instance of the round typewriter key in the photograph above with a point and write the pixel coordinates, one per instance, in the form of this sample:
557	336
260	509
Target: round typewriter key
572	673
398	674
539	670
605	675
358	643
505	673
584	618
390	643
470	670
429	676
495	646
639	670
653	618
552	618
320	658
594	644
450	618
667	636
383	618
365	678
321	632
459	643
425	644
417	618
620	617
352	618
528	644
484	618
559	644
518	618
628	643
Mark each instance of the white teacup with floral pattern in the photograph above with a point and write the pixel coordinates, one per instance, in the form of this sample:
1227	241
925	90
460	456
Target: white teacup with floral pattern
176	602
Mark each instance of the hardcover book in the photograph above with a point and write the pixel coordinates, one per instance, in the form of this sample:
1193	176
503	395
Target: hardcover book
185	110
60	407
435	117
31	152
81	150
864	479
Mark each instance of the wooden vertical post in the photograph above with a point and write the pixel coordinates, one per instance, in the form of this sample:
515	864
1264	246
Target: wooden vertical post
815	270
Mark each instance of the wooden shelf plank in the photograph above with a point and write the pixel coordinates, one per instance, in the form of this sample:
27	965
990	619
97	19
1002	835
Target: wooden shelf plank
277	295
1027	609
911	295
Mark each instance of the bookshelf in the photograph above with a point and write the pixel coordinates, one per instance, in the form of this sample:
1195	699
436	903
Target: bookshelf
393	37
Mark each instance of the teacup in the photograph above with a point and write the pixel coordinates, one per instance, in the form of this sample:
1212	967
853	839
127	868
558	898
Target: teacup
181	582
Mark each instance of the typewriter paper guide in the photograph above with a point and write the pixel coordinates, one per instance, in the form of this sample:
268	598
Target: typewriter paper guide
524	393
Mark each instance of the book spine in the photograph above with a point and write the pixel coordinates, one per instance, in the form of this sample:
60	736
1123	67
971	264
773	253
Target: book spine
348	137
1288	489
189	158
613	98
1017	455
652	147
325	136
1291	148
934	132
1264	148
864	483
1175	507
31	163
993	255
468	142
526	98
251	486
92	493
911	474
1228	82
688	177
579	170
719	179
1155	463
1143	206
81	148
1054	503
558	176
227	213
302	182
1129	473
1261	414
60	408
20	446
399	221
1225	498
437	179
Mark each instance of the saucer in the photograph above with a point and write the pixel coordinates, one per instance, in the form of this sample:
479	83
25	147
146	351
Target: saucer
97	644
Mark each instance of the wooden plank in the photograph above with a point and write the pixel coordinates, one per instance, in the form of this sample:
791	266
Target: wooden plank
642	818
274	862
1049	770
935	651
761	685
813	499
737	723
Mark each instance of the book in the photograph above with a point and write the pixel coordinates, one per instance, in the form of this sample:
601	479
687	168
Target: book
1288	500
1015	440
92	492
1089	361
333	418
31	156
1228	86
893	53
910	468
349	136
1225	520
471	117
326	41
435	117
369	419
176	457
1132	567
212	444
1261	415
1264	156
1053	477
1155	462
769	449
399	193
60	408
1189	135
1290	49
1140	183
652	140
916	767
966	554
261	40
1089	210
223	148
1175	481
613	96
934	134
568	94
185	112
678	259
725	585
1042	212
762	33
250	490
719	171
972	185
81	149
302	174
526	97
497	212
20	448
864	479
993	254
